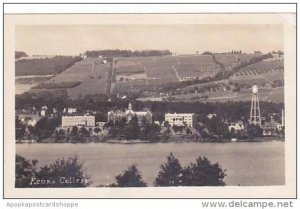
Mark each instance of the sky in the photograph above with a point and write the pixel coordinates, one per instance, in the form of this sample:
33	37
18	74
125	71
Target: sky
181	39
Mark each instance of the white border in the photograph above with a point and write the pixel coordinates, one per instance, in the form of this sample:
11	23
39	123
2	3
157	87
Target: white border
174	204
148	8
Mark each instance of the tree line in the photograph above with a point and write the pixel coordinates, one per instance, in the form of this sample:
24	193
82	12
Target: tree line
126	53
69	172
103	103
19	54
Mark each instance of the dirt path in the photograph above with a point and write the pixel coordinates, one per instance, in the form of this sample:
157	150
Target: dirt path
176	72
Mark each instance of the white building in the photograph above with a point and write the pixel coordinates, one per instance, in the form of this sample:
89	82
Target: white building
70	121
100	124
238	126
211	115
43	113
129	114
187	78
43	110
157	122
70	110
31	122
180	119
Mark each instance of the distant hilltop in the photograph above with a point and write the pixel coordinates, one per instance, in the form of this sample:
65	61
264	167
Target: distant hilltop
20	54
126	53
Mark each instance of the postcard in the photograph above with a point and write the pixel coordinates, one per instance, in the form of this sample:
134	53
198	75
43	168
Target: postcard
150	105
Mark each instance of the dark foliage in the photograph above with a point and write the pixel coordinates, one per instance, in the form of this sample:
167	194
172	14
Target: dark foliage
253	131
200	173
170	173
45	127
149	132
62	173
25	170
130	178
126	53
19	54
203	173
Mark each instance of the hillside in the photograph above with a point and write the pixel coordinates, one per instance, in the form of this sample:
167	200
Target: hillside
45	66
20	54
171	78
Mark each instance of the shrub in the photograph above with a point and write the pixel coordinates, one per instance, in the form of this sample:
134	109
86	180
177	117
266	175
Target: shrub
170	173
130	178
200	173
203	173
57	174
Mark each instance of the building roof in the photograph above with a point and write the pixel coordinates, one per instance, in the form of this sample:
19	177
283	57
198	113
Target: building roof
143	113
179	113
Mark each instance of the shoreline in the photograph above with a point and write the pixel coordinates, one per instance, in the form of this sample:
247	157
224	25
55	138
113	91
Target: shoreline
115	141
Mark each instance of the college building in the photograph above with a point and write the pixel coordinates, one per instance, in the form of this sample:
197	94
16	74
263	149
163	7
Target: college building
129	114
181	119
85	120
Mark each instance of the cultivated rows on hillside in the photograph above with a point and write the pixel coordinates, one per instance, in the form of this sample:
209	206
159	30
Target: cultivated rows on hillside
46	66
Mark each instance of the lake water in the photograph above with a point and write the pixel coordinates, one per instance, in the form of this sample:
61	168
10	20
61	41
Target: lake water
248	164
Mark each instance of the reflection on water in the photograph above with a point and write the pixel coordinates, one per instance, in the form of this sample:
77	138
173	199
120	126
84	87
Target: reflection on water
246	163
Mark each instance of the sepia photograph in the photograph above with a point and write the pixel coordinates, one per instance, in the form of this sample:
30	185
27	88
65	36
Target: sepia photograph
150	102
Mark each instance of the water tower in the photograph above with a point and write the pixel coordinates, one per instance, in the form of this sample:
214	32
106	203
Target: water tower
255	118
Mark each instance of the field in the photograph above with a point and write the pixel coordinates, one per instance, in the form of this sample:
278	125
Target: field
231	59
261	67
137	75
25	83
196	66
62	85
90	72
123	87
260	73
45	66
128	67
265	94
94	81
161	70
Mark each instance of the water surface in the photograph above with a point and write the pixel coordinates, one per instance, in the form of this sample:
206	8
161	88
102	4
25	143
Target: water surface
249	164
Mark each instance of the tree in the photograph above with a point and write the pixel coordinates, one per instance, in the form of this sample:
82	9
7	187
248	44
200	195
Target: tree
84	132
150	132
19	128
130	178
166	124
62	173
170	173
74	131
97	130
131	132
44	128
132	129
203	173
253	131
19	54
25	169
166	134
188	131
56	136
175	128
63	170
